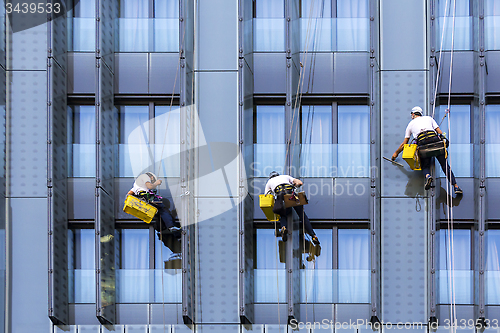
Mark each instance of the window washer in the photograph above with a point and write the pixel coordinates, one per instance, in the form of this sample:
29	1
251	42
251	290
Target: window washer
426	130
281	185
145	188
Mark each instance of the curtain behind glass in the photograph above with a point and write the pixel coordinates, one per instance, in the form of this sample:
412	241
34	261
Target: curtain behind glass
84	266
492	141
493	267
352	25
270	140
353	141
492	24
269	272
83	25
168	288
269	8
133	277
134	26
460	150
462	25
269	25
166	9
135	154
316	155
83	141
353	266
316	8
167	141
461	241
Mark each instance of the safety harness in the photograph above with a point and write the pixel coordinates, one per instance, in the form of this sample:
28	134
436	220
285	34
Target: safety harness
430	145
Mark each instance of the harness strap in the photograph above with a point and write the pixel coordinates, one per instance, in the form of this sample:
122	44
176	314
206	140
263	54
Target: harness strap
426	135
283	188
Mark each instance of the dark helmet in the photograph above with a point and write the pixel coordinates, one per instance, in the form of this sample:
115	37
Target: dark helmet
273	174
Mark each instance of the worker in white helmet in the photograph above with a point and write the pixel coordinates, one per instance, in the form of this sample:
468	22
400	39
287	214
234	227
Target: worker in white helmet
145	187
425	130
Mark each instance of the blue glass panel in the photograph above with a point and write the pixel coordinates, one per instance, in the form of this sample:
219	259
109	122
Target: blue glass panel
134	8
268	157
134	151
317	150
493	267
352	8
167	138
82	270
133	34
353	34
269	8
462	40
166	34
269	35
270	124
84	285
83	34
83	160
269	275
313	8
170	282
354	286
317	35
82	149
318	285
492	141
460	150
134	248
455	274
166	8
492	32
146	285
317	160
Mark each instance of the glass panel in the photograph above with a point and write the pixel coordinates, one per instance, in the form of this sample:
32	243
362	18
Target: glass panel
134	8
269	35
83	34
82	149
463	26
268	157
82	266
269	8
353	154
84	8
134	151
269	274
146	285
352	8
167	138
460	150
133	34
493	267
168	256
492	24
270	137
317	148
313	8
317	35
166	9
492	141
166	34
456	277
352	34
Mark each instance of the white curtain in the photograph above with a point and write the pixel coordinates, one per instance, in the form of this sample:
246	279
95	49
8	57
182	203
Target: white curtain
460	255
133	276
460	150
463	27
270	147
492	141
269	26
353	266
167	141
84	266
269	8
269	272
317	149
166	9
316	8
493	267
492	24
134	26
83	159
352	25
353	141
134	152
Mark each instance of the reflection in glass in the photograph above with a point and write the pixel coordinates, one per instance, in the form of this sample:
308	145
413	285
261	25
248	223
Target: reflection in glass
81	149
492	141
167	140
493	267
81	262
455	274
460	150
269	272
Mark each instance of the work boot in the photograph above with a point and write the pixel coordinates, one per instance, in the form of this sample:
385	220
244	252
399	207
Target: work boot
284	234
458	190
428	182
315	240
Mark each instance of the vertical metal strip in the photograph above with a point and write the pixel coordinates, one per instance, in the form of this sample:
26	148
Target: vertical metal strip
432	215
186	38
58	309
106	138
375	277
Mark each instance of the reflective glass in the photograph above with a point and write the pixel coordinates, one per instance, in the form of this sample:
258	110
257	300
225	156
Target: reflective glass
460	150
493	267
353	34
134	151
269	8
315	8
82	284
82	148
81	26
492	24
455	274
168	273
269	272
492	141
316	155
461	36
317	35
269	35
353	154
167	140
270	140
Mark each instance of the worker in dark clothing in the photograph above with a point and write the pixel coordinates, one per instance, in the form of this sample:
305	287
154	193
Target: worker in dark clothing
279	186
145	187
426	130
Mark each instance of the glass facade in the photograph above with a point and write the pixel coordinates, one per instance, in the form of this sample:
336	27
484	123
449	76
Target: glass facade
82	138
492	141
493	267
457	31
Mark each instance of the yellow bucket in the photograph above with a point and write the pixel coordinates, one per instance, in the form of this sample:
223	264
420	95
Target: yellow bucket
410	155
266	202
140	209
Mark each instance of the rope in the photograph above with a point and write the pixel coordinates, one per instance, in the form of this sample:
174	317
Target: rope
277	281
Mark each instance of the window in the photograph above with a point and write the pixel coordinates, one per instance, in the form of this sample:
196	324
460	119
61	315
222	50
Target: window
455	269
269	26
492	141
341	25
492	24
337	271
82	23
81	141
493	267
81	264
463	25
270	140
460	150
344	152
148	26
149	140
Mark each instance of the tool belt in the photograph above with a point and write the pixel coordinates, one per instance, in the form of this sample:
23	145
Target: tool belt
286	188
425	136
279	198
430	145
149	196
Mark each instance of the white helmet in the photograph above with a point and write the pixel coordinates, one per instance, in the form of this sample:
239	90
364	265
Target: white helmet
417	109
